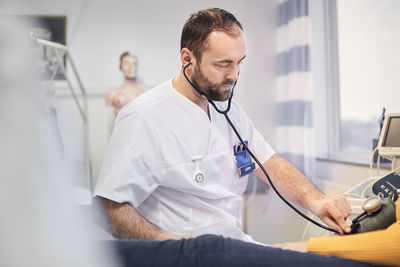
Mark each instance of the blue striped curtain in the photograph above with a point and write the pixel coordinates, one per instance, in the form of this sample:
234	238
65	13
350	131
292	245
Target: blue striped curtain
295	128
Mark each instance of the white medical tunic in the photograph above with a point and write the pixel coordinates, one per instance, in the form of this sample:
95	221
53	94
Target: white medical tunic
161	141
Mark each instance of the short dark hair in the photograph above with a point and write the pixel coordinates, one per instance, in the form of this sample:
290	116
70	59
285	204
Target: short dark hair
200	24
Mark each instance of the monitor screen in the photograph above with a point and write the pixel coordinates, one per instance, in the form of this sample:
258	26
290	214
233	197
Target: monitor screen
392	138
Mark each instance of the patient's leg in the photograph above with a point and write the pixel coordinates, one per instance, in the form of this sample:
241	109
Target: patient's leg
215	251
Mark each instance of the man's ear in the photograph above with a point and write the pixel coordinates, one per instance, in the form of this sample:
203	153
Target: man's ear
186	56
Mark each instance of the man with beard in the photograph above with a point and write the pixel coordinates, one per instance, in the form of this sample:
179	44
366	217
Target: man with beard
170	169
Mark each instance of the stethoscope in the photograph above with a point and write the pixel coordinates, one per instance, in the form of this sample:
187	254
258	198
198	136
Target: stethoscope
225	113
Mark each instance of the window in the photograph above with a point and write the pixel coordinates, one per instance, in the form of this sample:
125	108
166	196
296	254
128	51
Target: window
361	42
369	68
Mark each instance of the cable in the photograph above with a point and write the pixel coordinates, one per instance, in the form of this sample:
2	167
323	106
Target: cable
379	164
369	186
305	232
372	160
354	195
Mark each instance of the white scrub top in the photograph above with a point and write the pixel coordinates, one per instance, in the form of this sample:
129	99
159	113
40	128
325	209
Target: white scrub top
176	165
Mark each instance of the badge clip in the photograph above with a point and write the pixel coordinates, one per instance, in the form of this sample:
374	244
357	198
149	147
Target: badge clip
198	174
244	161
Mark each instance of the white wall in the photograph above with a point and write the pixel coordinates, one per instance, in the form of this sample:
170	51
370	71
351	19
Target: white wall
256	88
99	31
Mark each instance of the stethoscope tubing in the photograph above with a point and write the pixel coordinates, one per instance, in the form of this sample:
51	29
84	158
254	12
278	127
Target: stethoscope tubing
225	113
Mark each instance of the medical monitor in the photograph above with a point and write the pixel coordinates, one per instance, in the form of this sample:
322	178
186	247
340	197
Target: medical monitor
389	140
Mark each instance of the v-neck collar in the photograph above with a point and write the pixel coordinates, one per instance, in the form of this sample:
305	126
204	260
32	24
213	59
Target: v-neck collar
211	121
190	102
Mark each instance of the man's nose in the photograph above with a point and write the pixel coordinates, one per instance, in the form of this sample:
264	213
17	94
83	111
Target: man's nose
233	73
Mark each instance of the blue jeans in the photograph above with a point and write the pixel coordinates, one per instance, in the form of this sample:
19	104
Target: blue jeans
215	251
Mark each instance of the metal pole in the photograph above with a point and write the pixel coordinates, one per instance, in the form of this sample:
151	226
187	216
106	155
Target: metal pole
86	126
82	110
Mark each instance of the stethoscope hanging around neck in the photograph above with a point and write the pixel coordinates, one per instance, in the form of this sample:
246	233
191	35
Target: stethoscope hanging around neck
225	112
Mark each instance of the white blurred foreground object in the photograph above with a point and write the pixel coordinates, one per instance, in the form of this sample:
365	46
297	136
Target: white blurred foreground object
80	100
39	223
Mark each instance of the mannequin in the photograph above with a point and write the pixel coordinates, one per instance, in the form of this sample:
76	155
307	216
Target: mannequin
119	96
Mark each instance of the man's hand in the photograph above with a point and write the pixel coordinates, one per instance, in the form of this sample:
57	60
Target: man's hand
291	183
296	246
333	211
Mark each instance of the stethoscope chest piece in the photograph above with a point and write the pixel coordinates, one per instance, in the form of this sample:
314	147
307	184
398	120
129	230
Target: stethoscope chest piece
372	205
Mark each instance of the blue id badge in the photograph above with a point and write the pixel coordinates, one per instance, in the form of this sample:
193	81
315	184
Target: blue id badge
243	159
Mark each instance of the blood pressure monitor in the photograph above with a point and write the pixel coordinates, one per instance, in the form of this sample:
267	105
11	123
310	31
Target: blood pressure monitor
387	184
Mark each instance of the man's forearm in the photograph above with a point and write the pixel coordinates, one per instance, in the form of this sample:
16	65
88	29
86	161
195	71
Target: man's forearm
126	222
297	188
289	181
